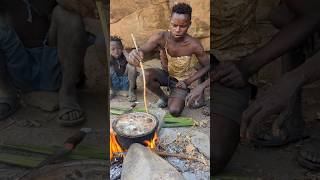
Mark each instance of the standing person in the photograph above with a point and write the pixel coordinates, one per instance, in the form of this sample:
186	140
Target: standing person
177	50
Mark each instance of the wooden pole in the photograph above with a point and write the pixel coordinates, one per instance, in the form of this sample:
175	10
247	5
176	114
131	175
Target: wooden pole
144	77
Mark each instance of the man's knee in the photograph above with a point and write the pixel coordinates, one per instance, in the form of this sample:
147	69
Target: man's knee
175	111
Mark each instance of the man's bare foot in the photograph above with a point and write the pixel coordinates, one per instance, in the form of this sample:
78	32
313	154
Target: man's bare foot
132	96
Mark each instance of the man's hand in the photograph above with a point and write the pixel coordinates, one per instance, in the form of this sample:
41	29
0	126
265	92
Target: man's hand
230	74
194	95
182	85
135	57
273	101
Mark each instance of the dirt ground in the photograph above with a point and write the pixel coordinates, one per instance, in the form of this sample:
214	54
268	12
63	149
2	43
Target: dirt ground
277	163
32	126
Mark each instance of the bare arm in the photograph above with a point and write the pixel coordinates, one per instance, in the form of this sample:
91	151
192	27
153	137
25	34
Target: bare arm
276	98
204	61
197	92
306	21
152	43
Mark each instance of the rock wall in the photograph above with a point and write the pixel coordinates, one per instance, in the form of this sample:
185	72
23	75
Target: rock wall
145	17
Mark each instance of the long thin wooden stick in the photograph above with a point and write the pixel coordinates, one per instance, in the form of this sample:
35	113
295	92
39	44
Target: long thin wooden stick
144	77
161	153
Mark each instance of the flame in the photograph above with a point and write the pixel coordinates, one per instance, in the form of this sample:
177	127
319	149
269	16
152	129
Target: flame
114	146
153	143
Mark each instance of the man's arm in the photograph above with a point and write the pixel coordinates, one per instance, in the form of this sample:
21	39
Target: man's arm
204	61
276	98
305	22
197	92
152	43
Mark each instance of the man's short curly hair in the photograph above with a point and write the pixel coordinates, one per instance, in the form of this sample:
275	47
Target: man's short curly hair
182	8
117	39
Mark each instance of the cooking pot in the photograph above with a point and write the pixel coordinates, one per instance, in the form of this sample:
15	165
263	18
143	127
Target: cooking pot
126	140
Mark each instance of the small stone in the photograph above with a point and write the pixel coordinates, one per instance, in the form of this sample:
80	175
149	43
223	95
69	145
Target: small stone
189	148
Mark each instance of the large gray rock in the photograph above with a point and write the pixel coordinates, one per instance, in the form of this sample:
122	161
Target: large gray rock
142	164
202	142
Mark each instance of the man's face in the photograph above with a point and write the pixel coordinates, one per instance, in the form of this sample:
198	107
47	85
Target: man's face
115	49
179	25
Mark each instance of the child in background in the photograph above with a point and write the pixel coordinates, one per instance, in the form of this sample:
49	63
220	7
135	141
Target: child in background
122	75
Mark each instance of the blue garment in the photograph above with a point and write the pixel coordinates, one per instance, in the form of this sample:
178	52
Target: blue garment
29	68
118	82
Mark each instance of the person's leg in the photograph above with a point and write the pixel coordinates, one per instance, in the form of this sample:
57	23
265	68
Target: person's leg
226	112
6	90
225	136
132	76
68	32
13	56
176	106
112	79
154	79
176	101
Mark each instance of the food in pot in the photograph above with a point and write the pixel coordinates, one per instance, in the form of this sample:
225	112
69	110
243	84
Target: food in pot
135	124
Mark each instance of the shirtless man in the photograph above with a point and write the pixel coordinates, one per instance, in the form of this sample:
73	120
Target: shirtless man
42	47
176	48
298	21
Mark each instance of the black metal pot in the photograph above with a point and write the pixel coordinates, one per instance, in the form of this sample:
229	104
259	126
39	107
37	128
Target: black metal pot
125	141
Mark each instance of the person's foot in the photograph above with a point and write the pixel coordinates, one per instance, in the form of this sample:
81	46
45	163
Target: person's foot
132	96
70	113
162	103
309	155
8	106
